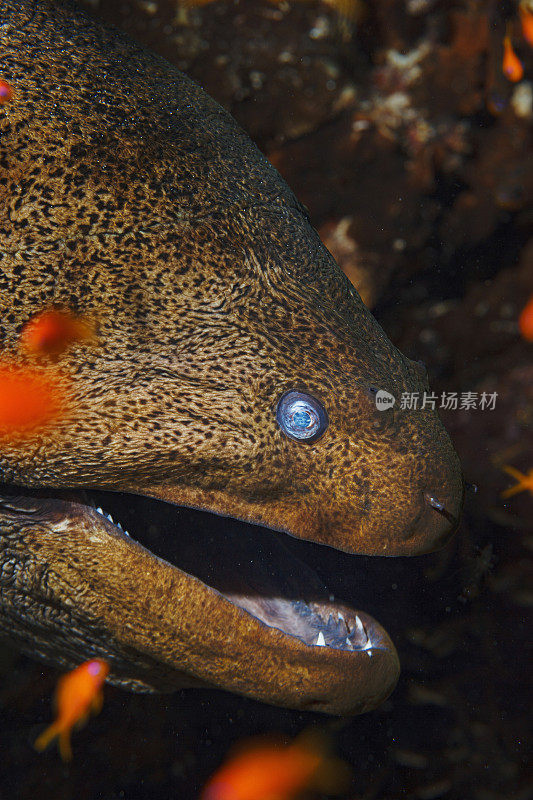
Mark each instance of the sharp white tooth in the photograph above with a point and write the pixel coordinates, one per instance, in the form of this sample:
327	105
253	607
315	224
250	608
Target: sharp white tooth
100	510
110	518
119	525
320	641
341	616
349	643
359	625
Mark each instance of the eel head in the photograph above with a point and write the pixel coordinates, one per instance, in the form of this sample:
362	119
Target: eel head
236	371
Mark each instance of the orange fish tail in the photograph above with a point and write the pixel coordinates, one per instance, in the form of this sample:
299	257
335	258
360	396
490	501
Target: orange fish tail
48	735
65	747
332	777
97	702
55	731
515	473
511	492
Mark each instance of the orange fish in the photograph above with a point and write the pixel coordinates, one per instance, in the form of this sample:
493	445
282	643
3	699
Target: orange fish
267	770
6	92
525	321
29	399
511	65
526	18
52	332
78	693
524	482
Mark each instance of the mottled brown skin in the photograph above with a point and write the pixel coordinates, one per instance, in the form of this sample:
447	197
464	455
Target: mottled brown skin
129	195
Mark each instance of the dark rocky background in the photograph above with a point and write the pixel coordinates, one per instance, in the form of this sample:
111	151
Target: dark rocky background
413	154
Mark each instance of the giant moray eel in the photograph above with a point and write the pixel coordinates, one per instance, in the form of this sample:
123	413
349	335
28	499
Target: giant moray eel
236	373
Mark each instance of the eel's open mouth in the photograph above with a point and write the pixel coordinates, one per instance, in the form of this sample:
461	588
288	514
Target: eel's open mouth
248	564
217	563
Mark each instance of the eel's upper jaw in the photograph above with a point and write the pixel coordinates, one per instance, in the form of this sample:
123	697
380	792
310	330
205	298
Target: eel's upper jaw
148	617
433	520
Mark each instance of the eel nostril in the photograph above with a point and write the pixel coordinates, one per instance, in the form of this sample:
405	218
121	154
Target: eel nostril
439	507
433	502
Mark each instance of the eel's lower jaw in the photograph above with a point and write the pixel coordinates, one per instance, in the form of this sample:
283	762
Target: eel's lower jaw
344	629
255	571
312	653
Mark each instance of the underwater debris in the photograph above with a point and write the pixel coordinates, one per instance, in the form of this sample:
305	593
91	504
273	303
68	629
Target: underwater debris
477	572
360	269
522	100
351	10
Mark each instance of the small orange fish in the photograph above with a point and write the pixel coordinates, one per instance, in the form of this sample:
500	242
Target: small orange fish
511	65
526	19
52	332
524	482
29	399
525	321
267	770
78	693
6	92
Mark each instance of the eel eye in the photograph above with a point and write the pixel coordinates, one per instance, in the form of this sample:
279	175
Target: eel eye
301	416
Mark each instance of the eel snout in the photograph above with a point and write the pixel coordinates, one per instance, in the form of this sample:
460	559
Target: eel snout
186	619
